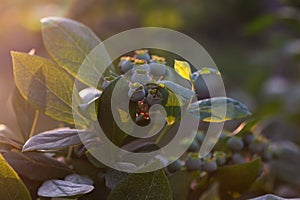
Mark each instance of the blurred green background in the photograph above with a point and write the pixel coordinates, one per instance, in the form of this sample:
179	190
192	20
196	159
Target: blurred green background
255	44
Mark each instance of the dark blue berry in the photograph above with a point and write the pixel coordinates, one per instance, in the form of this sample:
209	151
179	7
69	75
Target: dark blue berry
237	158
125	64
193	163
267	155
194	76
194	147
200	137
136	92
235	144
142	55
248	138
158	59
107	81
257	147
175	166
209	165
220	157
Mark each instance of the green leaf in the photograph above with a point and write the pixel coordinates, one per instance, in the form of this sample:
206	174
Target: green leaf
83	166
171	102
25	114
47	87
105	116
11	186
142	186
237	178
178	89
60	188
100	192
180	183
94	161
213	110
113	177
69	42
211	194
8	137
55	139
33	165
183	69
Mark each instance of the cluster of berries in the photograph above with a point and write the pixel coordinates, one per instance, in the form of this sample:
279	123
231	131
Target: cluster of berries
142	71
228	150
248	146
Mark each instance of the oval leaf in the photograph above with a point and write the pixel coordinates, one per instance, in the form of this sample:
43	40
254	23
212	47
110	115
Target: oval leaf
180	183
105	116
249	171
69	43
113	177
59	188
178	89
33	165
55	139
183	69
9	137
25	114
11	186
211	110
46	86
171	102
142	186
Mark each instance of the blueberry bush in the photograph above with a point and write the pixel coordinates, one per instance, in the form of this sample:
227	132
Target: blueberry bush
55	164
